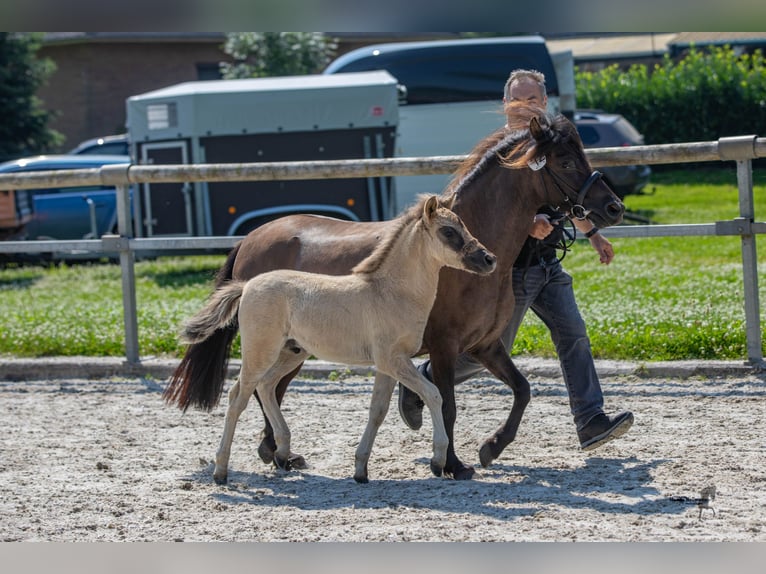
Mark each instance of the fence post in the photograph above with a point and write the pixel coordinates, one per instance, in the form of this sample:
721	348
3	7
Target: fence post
127	265
117	175
749	262
742	150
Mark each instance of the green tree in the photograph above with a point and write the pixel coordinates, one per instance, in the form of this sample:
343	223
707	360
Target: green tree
259	54
24	126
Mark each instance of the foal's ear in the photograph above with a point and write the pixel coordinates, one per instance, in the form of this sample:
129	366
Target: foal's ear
430	207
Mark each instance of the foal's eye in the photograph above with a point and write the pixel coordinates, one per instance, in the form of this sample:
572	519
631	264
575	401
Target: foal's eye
452	237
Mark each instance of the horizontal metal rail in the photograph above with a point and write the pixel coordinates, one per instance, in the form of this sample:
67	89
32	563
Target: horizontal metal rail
740	149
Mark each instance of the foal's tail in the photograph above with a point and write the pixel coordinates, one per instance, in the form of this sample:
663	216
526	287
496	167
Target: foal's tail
219	312
198	380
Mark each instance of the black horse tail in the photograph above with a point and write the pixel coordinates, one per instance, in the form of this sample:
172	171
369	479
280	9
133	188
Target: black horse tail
198	380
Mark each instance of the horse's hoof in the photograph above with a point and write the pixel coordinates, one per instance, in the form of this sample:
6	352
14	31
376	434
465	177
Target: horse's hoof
459	471
361	478
297	461
436	469
220	479
266	452
465	473
486	456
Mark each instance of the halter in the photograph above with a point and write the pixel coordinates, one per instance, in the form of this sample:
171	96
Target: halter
578	211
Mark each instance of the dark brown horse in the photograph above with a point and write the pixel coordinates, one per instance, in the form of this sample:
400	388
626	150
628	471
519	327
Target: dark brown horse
536	161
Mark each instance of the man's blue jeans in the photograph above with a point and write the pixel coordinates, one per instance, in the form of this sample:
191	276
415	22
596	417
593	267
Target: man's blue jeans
547	290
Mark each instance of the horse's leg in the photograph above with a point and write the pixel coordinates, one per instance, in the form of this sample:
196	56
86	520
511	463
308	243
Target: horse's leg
268	445
381	397
412	379
239	395
496	359
443	368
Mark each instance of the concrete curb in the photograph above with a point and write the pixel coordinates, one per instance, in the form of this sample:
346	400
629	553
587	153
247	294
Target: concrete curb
161	369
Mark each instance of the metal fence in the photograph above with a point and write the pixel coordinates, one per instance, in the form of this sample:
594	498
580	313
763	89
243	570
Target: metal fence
740	149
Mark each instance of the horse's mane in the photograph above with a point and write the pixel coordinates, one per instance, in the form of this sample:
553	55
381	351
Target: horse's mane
512	145
410	216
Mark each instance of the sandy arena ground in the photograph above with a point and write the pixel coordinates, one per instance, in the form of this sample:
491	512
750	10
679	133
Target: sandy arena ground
106	460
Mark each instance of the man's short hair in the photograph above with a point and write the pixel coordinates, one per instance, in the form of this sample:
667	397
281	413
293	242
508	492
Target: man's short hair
519	74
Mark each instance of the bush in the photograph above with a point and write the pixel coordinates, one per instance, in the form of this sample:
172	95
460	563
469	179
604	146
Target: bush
706	95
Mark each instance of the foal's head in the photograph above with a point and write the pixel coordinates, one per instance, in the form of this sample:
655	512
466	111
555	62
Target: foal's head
450	239
443	235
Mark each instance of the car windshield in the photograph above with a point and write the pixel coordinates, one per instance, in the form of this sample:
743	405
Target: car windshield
627	128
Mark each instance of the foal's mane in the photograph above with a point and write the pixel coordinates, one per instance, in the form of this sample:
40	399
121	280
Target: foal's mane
411	216
512	145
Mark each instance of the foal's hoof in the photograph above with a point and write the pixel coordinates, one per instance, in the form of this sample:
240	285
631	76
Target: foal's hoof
436	469
220	479
283	463
296	461
361	478
266	452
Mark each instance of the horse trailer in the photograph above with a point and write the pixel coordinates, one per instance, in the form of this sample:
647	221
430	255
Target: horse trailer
292	118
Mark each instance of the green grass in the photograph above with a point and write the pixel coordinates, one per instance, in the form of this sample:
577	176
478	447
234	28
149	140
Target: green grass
665	298
661	298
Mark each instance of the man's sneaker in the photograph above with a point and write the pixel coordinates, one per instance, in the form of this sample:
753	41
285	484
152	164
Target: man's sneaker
410	403
601	429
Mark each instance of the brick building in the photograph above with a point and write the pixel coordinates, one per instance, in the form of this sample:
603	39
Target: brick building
97	71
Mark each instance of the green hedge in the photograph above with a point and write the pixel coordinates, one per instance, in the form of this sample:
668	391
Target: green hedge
706	95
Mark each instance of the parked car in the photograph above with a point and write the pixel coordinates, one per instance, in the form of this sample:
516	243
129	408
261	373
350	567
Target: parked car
84	212
600	129
106	145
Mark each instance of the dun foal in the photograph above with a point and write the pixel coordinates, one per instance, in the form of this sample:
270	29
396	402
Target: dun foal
376	315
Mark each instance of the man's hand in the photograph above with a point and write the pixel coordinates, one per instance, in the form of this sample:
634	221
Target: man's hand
600	243
541	226
603	247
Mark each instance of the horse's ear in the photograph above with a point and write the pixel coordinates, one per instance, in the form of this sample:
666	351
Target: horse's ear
430	207
537	130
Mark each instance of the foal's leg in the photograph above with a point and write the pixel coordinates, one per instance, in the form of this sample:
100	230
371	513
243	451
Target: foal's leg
496	359
239	395
413	380
271	410
268	444
443	368
260	368
402	369
381	398
266	391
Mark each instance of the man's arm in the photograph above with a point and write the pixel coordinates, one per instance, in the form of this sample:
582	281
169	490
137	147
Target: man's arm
600	243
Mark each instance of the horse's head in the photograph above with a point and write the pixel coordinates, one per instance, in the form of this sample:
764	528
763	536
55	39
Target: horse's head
555	151
452	240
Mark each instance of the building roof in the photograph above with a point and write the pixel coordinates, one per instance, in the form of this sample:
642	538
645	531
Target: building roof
53	38
607	47
685	39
